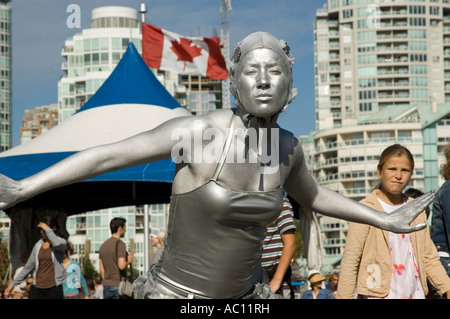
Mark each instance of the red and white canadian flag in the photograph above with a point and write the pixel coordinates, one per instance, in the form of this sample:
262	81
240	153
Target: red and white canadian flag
165	50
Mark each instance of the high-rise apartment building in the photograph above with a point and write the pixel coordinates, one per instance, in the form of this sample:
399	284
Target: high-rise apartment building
5	77
205	94
372	54
38	120
382	74
91	56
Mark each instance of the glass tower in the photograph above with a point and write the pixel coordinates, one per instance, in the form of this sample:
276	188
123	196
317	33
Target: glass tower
5	76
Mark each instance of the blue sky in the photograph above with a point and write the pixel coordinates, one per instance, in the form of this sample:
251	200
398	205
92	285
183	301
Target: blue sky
39	30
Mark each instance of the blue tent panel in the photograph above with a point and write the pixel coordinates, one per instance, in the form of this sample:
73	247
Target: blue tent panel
131	82
22	166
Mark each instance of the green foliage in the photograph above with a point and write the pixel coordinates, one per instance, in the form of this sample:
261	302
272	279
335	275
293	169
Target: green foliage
4	259
89	270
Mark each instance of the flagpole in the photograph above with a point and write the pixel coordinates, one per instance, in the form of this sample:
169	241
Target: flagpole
143	11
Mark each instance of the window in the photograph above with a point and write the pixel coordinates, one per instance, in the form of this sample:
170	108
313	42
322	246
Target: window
347	13
362	24
417	10
417	45
115	42
419	81
367	71
419	93
418	69
366	47
363	12
367	59
95	58
417	22
366	35
87	45
87	59
94	45
365	107
104	44
434	10
364	83
418	57
365	95
417	34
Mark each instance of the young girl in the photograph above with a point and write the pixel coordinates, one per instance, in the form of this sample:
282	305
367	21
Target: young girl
383	264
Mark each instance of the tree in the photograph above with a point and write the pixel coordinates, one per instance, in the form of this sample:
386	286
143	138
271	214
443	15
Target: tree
4	259
89	270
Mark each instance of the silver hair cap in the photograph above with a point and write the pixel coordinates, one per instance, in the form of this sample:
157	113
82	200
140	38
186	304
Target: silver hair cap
260	40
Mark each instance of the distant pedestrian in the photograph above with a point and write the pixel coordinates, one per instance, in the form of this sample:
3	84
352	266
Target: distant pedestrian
45	263
278	250
20	289
316	291
332	285
75	280
91	288
98	288
440	221
157	242
114	259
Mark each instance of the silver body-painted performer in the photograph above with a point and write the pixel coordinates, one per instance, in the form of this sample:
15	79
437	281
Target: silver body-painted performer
220	209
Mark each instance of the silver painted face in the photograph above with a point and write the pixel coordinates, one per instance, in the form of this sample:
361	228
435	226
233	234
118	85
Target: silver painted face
263	82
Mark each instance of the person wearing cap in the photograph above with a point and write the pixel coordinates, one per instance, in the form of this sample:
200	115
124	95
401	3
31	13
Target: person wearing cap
316	291
232	166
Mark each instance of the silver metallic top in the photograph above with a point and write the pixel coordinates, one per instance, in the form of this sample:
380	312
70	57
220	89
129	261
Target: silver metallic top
226	263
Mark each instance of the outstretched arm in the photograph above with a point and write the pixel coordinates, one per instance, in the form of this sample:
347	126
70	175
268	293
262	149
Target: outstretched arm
149	146
303	188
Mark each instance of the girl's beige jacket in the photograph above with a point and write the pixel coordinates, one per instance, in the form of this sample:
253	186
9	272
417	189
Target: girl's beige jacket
367	265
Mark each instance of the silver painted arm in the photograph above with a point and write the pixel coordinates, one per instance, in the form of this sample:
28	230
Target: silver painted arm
304	189
146	147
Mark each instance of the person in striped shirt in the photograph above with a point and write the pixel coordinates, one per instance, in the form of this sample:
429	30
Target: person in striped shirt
278	250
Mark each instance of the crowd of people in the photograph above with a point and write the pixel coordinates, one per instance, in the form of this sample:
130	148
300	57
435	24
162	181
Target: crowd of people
220	209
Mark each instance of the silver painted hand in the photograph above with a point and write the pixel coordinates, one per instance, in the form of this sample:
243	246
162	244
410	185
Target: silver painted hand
399	221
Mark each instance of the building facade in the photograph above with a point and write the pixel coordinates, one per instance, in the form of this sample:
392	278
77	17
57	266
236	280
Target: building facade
38	120
90	56
5	77
205	94
372	54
